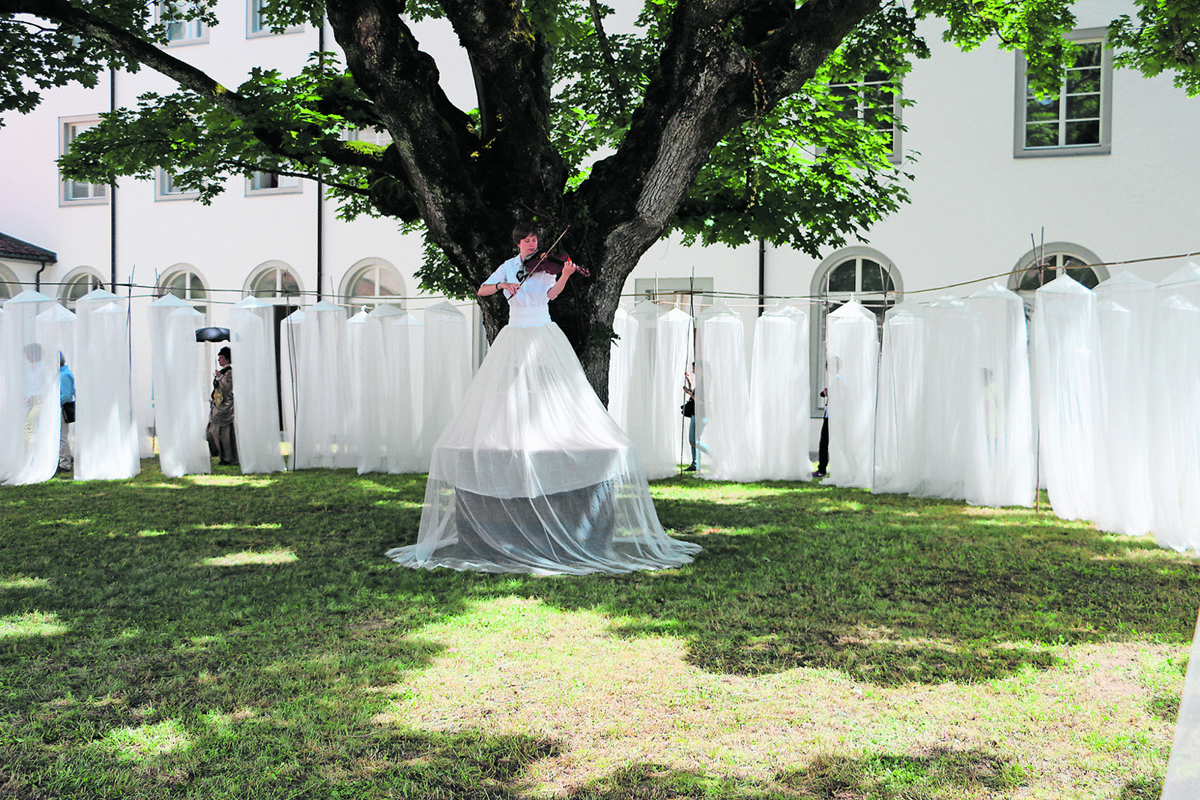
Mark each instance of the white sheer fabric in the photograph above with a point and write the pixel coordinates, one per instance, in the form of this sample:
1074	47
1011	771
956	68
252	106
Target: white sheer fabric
659	361
620	367
256	400
1124	307
723	399
852	345
952	409
1063	337
179	387
31	341
386	419
323	432
1175	411
106	441
447	372
1008	473
1182	781
532	474
898	428
780	395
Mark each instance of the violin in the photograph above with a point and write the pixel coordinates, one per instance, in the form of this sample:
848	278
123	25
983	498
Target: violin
553	264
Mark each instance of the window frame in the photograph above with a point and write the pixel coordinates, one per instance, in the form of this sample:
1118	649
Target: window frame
1053	250
255	27
691	295
202	29
201	304
878	301
253	191
68	129
370	303
163	188
277	298
72	278
1104	146
861	107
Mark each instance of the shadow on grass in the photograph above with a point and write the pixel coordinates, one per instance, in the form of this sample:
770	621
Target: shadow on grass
158	633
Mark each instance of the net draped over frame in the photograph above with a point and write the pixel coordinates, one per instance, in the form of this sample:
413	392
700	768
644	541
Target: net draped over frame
532	475
729	450
106	440
852	350
256	400
382	347
177	367
780	395
31	337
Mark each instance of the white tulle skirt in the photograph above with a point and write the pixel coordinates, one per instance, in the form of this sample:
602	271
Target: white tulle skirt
532	475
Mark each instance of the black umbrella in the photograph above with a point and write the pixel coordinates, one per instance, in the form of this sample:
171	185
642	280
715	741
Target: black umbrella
212	334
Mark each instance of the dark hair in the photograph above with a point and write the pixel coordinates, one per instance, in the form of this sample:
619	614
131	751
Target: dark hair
224	351
521	231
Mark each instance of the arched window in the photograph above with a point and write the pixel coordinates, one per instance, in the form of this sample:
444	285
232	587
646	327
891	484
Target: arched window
371	284
184	283
273	280
77	283
1040	266
861	273
8	284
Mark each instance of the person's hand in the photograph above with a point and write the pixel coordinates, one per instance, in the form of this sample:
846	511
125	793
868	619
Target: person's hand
569	267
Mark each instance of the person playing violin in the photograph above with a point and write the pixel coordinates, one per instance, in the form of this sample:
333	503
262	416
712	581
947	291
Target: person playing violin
532	474
529	270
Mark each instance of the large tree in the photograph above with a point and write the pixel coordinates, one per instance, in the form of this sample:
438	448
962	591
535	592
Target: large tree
716	119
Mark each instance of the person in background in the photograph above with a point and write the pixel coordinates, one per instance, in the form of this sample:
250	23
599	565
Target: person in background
222	444
823	445
66	399
689	411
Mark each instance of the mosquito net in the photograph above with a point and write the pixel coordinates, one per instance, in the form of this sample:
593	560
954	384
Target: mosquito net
322	436
728	450
659	361
382	349
780	395
31	342
447	371
105	429
1124	308
898	431
852	352
1182	781
1007	472
1175	411
620	367
1064	344
179	387
256	396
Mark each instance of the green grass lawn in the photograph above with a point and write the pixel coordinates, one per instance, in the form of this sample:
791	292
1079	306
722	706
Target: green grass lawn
244	637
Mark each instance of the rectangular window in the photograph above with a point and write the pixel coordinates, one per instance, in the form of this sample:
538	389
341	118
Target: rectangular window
257	24
270	183
875	100
181	31
165	188
79	192
1075	119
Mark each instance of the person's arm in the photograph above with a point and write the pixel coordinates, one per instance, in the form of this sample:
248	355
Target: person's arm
491	288
568	269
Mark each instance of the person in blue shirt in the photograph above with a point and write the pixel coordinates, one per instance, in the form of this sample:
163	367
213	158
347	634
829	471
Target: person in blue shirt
66	399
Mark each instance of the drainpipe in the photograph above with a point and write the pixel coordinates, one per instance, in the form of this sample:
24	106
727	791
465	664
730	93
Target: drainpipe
37	277
112	199
321	190
762	275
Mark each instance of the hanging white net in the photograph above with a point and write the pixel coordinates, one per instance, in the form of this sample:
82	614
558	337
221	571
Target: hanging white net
1066	391
1124	308
728	450
853	359
447	372
899	421
620	367
323	428
658	363
30	340
1007	474
179	387
950	448
106	441
1183	767
386	418
780	395
1175	411
256	405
